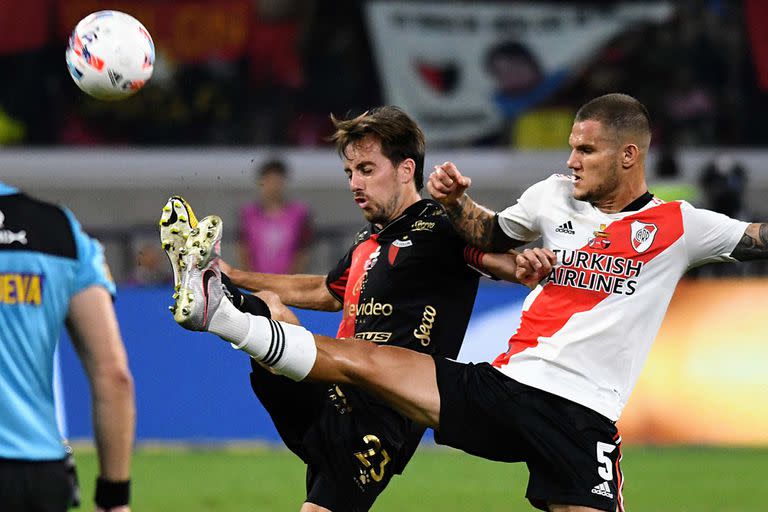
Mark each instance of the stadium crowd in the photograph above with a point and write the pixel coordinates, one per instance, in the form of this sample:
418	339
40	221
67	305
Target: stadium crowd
276	83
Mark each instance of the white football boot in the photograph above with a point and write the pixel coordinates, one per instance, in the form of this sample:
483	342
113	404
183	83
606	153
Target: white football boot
176	221
200	291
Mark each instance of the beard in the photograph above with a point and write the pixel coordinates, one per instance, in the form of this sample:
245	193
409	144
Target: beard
604	188
382	214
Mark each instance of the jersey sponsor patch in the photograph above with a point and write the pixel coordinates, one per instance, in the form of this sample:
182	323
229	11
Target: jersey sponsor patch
423	332
394	249
8	237
402	243
423	225
375	336
643	235
565	227
370	307
601	240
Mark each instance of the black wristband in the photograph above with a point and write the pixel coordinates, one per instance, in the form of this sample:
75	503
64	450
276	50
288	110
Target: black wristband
111	494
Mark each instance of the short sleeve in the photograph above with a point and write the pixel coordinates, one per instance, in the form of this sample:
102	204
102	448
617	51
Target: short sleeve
709	236
92	269
520	221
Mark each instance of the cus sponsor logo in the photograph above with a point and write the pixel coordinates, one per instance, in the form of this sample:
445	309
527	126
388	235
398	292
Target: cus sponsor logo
424	332
375	336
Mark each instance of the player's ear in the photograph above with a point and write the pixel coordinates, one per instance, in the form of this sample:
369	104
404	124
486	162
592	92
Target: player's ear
630	155
406	170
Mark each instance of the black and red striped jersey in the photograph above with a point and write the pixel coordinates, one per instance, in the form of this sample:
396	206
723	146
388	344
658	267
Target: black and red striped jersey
411	284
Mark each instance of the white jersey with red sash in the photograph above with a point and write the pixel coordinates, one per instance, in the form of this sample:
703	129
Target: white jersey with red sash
586	330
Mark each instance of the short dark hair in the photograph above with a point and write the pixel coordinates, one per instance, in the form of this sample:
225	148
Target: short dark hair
272	166
620	112
399	135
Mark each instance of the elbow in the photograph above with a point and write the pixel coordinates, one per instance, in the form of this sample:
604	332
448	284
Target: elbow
114	381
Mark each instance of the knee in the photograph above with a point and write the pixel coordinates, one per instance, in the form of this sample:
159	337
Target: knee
271	298
278	310
363	364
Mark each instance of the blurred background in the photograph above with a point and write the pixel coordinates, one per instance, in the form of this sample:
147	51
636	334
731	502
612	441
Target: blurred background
237	114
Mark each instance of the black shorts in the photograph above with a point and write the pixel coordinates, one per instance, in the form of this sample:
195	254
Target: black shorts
34	486
572	452
293	406
351	452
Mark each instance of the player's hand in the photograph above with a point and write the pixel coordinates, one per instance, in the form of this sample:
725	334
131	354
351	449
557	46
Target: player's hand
533	265
446	184
125	508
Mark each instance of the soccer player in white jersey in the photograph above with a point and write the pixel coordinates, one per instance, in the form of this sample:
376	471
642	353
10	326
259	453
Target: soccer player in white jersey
552	398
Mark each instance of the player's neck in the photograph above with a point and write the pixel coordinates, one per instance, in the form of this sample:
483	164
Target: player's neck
410	198
624	196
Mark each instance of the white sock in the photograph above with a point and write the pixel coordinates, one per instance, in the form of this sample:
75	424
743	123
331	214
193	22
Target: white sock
228	322
289	349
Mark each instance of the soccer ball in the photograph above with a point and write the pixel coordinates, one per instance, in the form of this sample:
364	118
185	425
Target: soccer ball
110	55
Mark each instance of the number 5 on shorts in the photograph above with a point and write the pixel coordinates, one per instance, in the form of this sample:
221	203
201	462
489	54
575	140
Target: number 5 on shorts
605	465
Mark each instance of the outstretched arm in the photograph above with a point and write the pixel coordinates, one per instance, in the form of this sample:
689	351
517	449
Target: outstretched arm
475	223
304	291
753	245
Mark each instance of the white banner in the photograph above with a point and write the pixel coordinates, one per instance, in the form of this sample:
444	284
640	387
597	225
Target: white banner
462	69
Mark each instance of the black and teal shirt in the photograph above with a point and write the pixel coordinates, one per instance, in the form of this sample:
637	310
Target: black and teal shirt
45	259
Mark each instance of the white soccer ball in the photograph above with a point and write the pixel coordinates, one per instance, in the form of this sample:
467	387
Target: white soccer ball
110	55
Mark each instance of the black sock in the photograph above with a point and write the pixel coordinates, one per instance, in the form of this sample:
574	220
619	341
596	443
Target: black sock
245	302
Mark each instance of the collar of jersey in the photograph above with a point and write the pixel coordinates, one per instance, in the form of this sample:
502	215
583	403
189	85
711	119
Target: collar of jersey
638	203
416	210
635	206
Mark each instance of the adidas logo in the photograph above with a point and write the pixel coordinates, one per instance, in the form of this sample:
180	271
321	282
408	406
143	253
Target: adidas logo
566	227
603	489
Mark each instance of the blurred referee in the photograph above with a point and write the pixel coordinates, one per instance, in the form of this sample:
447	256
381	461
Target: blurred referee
52	274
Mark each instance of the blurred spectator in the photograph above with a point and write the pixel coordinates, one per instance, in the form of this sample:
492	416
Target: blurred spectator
689	109
724	182
521	85
520	82
151	265
668	184
275	234
339	71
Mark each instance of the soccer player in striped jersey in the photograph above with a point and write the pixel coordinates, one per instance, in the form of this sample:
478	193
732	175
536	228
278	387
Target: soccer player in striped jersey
408	280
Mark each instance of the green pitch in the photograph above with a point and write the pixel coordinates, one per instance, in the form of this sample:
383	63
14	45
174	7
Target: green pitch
228	480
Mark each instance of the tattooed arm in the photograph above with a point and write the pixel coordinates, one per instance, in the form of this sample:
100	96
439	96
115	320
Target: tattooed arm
753	245
478	225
